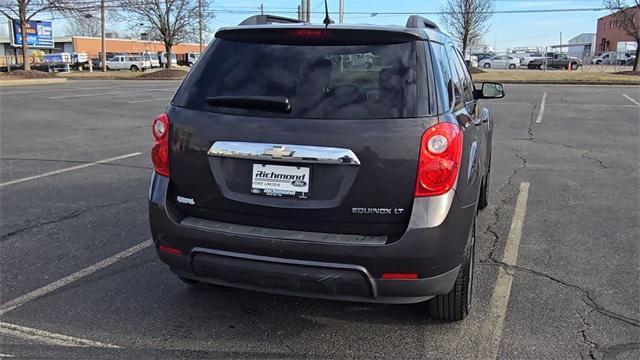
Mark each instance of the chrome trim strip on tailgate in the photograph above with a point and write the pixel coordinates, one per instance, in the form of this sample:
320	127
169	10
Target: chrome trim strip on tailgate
269	233
284	153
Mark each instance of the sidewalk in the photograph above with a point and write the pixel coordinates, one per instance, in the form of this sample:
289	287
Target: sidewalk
22	82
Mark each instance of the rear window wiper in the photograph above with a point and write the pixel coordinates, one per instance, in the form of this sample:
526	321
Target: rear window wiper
267	103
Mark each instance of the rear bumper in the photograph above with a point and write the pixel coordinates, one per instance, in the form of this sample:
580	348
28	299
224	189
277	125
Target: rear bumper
326	270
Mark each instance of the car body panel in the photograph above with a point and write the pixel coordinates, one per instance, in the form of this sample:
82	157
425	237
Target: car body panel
361	219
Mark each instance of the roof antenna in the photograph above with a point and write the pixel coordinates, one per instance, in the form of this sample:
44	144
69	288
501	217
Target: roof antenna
327	20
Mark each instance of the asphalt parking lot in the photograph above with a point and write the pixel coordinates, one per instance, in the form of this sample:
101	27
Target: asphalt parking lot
559	247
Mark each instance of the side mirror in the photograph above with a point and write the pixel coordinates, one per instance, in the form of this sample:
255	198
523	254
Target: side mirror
490	91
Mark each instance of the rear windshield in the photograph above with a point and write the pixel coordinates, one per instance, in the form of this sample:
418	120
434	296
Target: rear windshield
328	82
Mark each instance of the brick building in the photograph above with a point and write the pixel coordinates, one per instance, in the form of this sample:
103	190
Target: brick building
609	33
92	46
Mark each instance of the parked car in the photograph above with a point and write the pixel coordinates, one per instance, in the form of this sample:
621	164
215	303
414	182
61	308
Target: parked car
604	59
329	188
144	60
152	58
187	59
500	62
557	61
526	58
482	56
126	62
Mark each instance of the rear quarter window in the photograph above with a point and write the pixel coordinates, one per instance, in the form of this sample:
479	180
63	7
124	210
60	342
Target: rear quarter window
323	81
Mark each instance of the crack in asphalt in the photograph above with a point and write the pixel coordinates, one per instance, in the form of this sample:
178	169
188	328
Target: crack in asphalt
495	214
584	155
73	214
75	162
602	165
586	297
590	344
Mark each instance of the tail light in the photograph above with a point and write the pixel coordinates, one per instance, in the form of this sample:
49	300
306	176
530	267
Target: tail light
160	149
439	162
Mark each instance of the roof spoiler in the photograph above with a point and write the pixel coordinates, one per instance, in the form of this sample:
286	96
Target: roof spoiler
417	22
269	19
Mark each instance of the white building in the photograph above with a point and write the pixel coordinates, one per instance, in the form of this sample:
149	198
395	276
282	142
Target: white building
584	45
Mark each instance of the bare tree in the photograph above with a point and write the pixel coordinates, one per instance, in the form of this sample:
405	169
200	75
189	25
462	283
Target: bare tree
24	11
83	25
628	18
175	20
467	20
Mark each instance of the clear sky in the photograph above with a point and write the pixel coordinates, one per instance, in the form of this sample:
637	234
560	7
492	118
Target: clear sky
507	30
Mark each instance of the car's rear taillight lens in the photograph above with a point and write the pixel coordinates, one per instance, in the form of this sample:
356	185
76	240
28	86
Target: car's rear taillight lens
439	161
160	149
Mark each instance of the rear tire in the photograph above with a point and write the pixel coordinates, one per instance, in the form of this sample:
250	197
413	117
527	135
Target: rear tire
487	65
134	68
455	305
574	66
512	66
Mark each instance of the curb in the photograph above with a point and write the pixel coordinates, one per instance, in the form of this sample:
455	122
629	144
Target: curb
118	78
22	82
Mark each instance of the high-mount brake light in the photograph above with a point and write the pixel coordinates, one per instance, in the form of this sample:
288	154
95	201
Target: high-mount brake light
311	33
439	161
160	149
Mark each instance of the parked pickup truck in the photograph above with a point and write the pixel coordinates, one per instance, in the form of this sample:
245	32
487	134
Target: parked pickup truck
558	61
127	62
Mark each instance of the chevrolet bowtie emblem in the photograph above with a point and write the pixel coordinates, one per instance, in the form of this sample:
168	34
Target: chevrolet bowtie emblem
278	152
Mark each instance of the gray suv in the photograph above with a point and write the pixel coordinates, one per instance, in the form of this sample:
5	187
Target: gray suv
281	166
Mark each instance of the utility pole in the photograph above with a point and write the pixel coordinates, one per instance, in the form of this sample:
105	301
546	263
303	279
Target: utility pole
299	13
341	12
303	10
199	25
308	11
103	56
560	42
261	8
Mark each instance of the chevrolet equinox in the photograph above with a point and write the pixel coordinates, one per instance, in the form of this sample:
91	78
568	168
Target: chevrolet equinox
336	162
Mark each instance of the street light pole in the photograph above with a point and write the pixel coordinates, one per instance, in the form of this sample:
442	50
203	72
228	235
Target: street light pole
103	56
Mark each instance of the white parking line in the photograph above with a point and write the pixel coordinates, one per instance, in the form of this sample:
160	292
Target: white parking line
87	95
630	99
35	294
147	100
128	91
78	167
49	338
56	90
502	290
541	113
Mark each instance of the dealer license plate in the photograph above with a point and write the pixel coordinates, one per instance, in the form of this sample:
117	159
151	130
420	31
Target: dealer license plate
279	180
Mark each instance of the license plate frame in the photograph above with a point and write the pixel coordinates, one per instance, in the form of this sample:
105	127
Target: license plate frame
289	181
